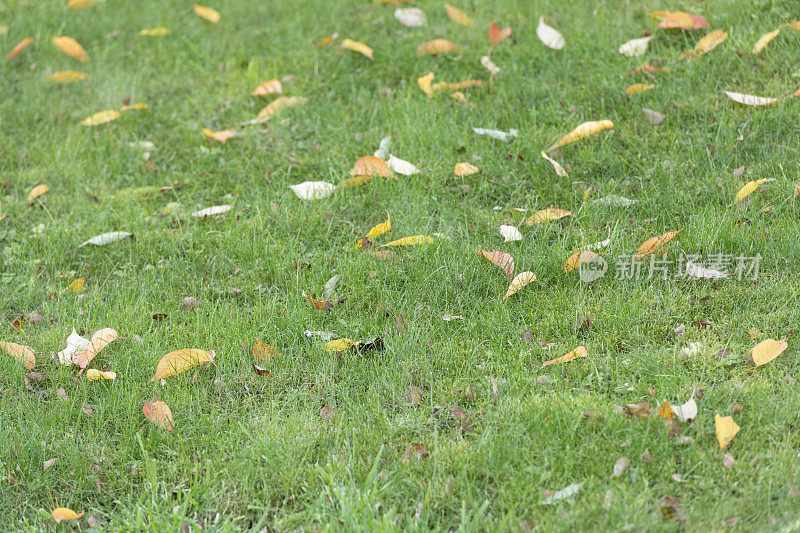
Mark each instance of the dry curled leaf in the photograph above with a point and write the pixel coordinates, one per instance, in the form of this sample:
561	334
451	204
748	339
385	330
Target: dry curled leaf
100	339
496	35
638	409
220	136
653	117
20	352
412	17
415	450
709	42
652	244
583	130
620	466
437	46
159	414
519	281
180	361
749	99
764	40
17	50
556	165
279	104
265	88
635	47
72	48
36	192
577	353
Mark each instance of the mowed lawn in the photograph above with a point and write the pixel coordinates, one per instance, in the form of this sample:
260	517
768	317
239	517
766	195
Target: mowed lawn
455	424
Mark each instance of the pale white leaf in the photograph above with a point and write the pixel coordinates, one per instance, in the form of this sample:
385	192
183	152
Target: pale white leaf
510	233
567	492
549	35
412	17
106	238
749	99
330	285
699	272
635	47
212	211
489	65
613	200
497	134
686	411
401	166
313	190
556	165
75	345
654	117
383	149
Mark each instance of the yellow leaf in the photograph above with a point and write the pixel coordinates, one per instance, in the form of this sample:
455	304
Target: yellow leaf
410	241
265	88
67	76
587	128
749	188
465	169
458	16
356	46
62	513
101	118
425	83
580	258
652	244
21	352
666	411
180	361
437	46
578	352
338	345
327	40
638	87
710	41
459	97
764	40
37	192
134	107
264	352
519	281
17	50
795	25
751	100
279	104
459	85
556	166
681	20
377	230
80	4
71	47
100	339
207	13
221	136
159	414
767	350
726	430
93	375
548	215
797	190
369	165
77	285
154	32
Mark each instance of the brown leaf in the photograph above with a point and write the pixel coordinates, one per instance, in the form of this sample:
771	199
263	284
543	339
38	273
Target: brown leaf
326	413
259	370
415	450
738	408
402	326
414	395
646	456
638	409
190	303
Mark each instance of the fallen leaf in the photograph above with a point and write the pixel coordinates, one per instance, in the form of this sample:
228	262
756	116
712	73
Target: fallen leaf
62	513
767	350
654	117
764	40
190	303
694	271
369	165
726	429
410	241
620	466
579	258
268	87
279	104
686	411
401	166
496	35
339	345
652	244
101	118
80	4
415	450
93	375
221	136
503	260
577	353
556	165
414	395
134	107
519	282
326	413
458	16
425	82
159	414
510	233
411	18
356	46
67	76
730	522
313	190
638	409
637	88
549	36
583	130
212	211
728	461
547	215
682	21
749	99
49	463
207	13
100	339
264	352
318	304
37	192
635	47
666	411
489	65
327	40
709	42
17	50
180	361
497	134
20	352
437	46
259	370
153	32
567	492
71	47
749	188
377	230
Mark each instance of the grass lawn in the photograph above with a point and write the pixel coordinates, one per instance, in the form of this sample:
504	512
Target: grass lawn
454	424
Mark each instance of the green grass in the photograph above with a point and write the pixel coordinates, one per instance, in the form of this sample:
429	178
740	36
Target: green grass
250	452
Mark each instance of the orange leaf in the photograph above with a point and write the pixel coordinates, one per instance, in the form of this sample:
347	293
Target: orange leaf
80	4
159	414
279	104
318	304
22	45
458	16
21	352
501	259
578	352
519	281
221	136
457	86
77	285
36	192
547	215
496	35
100	339
583	130
264	352
652	244
264	88
666	411
437	46
72	48
180	361
580	258
369	165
